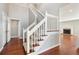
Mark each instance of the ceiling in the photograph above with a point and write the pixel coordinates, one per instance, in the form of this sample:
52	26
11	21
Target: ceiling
52	8
69	12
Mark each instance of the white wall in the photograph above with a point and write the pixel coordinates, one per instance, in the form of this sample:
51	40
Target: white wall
31	17
69	12
69	16
1	35
66	25
52	8
2	25
71	24
74	25
52	23
19	12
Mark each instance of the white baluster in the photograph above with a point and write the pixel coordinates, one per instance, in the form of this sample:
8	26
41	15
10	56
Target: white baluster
23	35
46	24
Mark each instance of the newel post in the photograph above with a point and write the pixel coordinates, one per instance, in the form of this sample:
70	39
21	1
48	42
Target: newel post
28	43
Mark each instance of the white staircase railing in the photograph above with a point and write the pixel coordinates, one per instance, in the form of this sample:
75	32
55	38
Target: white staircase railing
33	36
33	8
26	30
31	32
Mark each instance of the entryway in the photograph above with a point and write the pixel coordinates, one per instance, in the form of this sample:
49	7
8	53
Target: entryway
13	28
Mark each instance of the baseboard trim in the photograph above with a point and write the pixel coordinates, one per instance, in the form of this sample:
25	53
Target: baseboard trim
37	53
1	48
20	38
17	37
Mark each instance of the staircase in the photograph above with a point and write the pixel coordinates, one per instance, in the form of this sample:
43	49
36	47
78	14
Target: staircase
35	35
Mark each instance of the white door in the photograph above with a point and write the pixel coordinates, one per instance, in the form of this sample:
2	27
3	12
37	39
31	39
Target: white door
14	28
4	28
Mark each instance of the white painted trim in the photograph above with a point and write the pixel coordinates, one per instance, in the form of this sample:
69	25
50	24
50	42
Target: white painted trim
4	28
19	29
36	53
8	29
51	15
21	37
66	20
24	6
14	36
18	37
33	11
1	48
39	12
11	18
33	7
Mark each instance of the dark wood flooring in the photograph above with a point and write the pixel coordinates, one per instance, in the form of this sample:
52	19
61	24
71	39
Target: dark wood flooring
67	47
53	51
56	51
14	47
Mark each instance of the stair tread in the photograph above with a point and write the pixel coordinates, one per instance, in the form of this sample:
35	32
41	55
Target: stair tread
36	48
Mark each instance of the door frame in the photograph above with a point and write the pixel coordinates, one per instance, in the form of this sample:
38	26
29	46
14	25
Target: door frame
9	28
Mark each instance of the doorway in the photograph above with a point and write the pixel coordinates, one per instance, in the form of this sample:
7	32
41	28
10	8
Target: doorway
14	28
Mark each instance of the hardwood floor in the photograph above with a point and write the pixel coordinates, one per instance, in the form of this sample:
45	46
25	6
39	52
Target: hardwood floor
67	47
53	51
14	47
